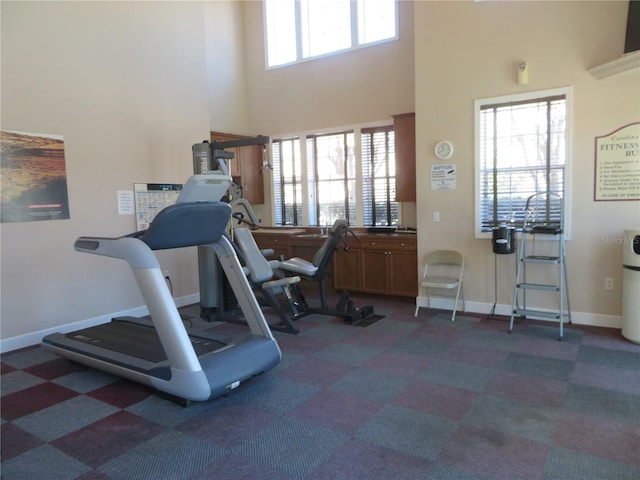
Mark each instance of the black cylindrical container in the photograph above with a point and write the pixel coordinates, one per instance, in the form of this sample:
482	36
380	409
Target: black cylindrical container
504	240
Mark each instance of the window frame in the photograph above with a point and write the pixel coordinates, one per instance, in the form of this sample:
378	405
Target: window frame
527	97
300	58
307	178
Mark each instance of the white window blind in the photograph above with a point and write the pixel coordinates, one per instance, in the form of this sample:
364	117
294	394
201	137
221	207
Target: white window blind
287	191
380	207
522	151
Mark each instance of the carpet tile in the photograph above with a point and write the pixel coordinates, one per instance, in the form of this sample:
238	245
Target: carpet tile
537	366
293	446
530	390
55	421
448	402
459	375
494	454
602	402
397	363
513	419
371	384
565	464
157	458
43	463
407	398
618	441
377	463
343	412
408	431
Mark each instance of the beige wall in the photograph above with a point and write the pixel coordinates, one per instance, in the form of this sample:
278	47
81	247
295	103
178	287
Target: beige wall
125	83
468	50
366	85
227	99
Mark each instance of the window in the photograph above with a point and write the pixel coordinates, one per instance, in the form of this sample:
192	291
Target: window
521	149
301	29
346	174
332	178
287	169
379	177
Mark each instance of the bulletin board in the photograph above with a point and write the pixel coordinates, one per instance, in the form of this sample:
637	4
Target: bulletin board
150	198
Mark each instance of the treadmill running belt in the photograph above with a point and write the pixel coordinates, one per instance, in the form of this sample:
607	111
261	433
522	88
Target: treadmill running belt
135	340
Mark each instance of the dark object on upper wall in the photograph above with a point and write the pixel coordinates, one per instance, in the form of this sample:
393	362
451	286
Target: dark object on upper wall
632	40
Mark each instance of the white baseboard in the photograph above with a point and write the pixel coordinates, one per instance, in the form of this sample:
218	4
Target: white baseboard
579	318
34	338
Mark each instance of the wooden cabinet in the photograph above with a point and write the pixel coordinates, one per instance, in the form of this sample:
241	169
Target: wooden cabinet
305	246
347	266
279	242
389	267
405	139
380	264
245	167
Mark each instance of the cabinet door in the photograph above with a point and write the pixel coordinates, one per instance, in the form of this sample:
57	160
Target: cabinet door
405	133
346	268
403	275
374	271
279	243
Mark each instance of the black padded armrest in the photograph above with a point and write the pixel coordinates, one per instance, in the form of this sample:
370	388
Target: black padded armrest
187	224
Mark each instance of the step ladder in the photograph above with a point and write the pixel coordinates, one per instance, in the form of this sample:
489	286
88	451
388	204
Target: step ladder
542	244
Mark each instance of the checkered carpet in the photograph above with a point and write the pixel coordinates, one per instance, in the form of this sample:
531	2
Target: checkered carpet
405	398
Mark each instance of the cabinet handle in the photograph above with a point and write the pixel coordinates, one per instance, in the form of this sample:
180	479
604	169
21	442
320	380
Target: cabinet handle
372	244
402	244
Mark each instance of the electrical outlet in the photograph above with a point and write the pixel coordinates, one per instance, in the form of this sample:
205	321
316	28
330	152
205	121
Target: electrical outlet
436	217
608	283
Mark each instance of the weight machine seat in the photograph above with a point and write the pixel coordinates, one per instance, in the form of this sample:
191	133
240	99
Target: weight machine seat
322	257
260	270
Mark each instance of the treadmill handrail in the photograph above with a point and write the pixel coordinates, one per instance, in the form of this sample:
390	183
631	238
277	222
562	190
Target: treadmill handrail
124	248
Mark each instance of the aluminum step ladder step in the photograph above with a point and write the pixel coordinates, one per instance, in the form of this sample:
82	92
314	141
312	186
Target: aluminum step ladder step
541	259
529	312
539	286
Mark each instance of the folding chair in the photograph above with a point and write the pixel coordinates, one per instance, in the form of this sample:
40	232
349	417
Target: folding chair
443	270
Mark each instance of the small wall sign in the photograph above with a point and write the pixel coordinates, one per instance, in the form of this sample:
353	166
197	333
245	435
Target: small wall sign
617	164
443	176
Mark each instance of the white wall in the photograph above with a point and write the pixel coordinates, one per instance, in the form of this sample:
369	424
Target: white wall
125	83
469	50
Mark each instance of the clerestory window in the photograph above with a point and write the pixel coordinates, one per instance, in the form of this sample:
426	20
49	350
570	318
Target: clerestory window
296	30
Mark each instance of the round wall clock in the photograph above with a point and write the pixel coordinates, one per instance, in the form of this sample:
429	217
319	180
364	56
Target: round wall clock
444	150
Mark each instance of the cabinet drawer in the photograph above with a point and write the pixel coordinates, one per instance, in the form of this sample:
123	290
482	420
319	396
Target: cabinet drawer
388	244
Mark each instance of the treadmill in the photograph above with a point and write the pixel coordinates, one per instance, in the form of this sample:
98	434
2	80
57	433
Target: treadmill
160	351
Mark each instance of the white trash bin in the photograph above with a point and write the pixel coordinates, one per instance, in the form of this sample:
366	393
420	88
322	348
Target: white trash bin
631	286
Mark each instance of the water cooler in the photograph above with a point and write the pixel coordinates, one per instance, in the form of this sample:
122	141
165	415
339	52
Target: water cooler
631	286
